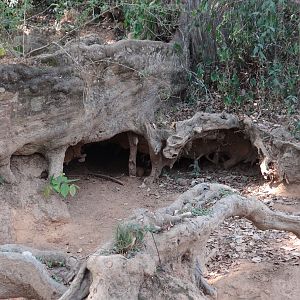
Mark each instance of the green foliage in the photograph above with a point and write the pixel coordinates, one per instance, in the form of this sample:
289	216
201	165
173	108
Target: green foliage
51	263
256	50
226	192
2	52
56	278
12	13
145	19
128	238
151	19
1	180
62	186
249	50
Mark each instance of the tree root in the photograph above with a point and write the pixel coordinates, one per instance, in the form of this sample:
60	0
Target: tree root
22	275
241	140
170	260
17	262
179	247
79	288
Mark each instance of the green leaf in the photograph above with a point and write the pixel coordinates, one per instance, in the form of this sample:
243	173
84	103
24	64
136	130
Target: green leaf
177	48
64	190
228	100
200	72
253	82
56	187
62	178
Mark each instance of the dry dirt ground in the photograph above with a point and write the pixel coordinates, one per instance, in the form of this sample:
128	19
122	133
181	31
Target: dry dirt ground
245	263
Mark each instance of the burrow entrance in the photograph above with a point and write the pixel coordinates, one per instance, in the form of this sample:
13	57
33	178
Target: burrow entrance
109	157
224	150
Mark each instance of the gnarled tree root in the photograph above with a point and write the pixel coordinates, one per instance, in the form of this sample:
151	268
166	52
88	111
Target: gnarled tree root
23	272
205	134
22	275
171	260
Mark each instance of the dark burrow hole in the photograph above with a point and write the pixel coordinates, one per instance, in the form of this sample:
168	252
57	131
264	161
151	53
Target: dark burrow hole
109	157
229	151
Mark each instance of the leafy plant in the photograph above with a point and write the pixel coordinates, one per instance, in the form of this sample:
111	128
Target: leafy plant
129	237
12	13
252	52
62	186
151	19
1	180
226	192
2	52
56	278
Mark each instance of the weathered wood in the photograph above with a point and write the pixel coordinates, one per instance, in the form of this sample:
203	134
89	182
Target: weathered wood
179	243
133	142
83	93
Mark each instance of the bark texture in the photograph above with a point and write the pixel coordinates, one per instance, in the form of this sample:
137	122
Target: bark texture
23	272
176	253
279	150
87	92
169	263
84	93
227	139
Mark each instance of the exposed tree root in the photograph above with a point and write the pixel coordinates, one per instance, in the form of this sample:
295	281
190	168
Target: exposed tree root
79	288
86	91
169	263
280	152
85	87
180	243
22	275
23	272
239	140
133	142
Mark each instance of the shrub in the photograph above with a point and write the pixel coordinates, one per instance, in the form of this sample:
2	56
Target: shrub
12	13
151	19
254	50
128	238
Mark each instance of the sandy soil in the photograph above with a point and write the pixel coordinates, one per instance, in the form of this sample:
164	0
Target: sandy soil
95	212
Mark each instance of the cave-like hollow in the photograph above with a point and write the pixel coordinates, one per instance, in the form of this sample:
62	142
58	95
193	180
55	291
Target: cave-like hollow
109	157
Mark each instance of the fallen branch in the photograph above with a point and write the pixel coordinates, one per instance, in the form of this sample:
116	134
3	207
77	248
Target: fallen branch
17	261
106	177
103	176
